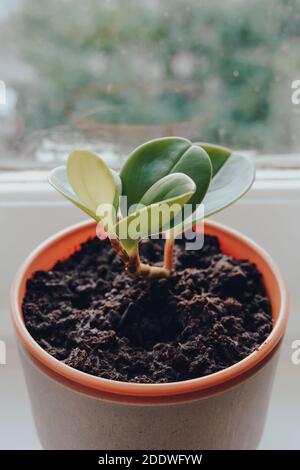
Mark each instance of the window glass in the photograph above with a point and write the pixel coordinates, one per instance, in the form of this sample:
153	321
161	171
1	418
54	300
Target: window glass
111	74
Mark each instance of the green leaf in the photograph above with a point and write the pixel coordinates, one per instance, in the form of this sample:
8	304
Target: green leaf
59	180
90	179
231	182
156	159
169	186
217	154
150	220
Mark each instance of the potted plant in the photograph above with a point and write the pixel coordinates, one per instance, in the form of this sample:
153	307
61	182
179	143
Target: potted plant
122	351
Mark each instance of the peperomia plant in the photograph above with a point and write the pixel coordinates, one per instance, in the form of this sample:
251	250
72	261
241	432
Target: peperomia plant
159	180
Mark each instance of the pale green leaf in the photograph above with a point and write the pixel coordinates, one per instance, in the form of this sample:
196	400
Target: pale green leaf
90	179
59	180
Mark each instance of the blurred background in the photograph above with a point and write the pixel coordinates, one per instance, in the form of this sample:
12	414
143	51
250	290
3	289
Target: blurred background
111	74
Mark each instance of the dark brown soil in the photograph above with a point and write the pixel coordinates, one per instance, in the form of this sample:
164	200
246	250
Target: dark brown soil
88	313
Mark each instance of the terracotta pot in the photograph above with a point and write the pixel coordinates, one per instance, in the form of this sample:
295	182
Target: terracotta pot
225	410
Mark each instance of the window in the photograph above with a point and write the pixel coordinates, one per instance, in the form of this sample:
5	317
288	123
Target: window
110	74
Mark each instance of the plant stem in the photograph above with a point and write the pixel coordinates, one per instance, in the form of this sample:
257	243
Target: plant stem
133	264
135	268
117	247
168	253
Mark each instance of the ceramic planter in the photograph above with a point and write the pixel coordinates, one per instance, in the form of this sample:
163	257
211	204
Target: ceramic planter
225	410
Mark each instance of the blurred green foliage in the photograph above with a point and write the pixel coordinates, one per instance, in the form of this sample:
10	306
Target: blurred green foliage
158	61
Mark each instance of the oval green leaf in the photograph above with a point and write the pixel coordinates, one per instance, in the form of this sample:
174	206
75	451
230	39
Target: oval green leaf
156	159
90	179
231	182
59	180
169	186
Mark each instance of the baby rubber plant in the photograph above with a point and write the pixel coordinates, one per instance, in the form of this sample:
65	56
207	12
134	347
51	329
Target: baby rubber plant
168	172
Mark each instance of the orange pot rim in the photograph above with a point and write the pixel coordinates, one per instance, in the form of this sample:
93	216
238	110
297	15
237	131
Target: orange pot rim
235	373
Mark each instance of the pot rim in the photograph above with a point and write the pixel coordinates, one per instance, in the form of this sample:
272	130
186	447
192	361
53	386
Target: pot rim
236	372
